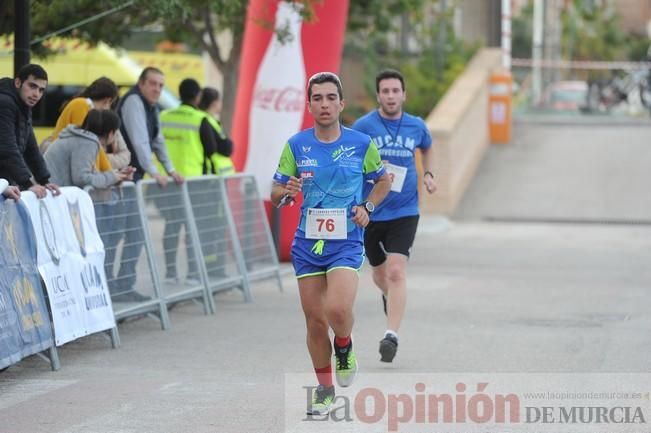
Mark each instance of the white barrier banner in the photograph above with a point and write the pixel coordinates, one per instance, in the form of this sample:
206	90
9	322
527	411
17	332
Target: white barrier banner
71	262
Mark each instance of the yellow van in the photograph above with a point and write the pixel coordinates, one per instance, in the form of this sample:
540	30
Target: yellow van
73	66
176	66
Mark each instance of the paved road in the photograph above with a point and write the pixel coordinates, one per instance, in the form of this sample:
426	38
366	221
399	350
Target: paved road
485	297
558	170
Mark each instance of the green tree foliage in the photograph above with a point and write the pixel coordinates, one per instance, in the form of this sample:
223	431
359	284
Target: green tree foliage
196	22
429	70
590	31
378	16
6	17
522	33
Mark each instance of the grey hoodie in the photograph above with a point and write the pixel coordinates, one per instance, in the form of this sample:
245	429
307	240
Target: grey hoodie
71	160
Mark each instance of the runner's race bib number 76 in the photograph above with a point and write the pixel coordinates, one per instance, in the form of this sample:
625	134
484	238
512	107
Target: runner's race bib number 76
326	224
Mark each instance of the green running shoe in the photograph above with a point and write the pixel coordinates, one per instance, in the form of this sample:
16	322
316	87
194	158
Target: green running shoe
346	367
322	398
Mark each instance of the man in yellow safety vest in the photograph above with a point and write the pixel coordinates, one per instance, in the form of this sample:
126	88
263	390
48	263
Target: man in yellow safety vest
192	146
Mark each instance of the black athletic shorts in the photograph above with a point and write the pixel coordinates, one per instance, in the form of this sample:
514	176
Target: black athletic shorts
385	237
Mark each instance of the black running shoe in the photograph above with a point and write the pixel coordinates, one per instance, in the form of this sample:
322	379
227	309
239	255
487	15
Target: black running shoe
388	348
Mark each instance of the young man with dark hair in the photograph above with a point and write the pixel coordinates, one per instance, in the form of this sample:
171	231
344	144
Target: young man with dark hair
391	232
329	164
20	159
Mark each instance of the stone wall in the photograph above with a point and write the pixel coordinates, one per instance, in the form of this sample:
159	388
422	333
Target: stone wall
459	126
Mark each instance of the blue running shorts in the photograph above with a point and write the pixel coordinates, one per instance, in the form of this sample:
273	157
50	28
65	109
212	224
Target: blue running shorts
312	257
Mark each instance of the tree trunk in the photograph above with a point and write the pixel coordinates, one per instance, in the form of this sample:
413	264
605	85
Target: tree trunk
230	73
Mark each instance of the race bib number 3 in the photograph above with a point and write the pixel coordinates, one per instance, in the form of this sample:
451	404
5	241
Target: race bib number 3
397	174
326	224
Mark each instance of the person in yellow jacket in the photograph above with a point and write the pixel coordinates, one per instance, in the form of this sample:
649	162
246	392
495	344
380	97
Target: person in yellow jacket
220	161
191	144
101	94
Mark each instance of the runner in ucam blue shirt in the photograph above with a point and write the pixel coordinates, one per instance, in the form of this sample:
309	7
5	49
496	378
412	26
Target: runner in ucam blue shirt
330	164
391	232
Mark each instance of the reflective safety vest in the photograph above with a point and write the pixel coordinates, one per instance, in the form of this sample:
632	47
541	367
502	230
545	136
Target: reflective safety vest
220	165
181	132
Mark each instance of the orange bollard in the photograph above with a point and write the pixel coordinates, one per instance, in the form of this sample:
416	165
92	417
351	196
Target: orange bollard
500	107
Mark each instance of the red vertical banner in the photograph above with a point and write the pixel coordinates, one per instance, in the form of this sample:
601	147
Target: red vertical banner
271	95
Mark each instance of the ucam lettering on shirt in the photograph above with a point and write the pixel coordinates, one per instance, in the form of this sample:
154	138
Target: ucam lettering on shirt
400	141
398	153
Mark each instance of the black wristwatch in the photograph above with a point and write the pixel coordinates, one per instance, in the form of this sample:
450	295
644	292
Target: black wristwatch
369	206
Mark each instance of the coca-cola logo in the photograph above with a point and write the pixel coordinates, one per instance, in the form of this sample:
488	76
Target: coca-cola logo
286	99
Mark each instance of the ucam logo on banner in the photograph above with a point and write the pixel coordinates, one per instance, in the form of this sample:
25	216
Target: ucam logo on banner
24	321
71	262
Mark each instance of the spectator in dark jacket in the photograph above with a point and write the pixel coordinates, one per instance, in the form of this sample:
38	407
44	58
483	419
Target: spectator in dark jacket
20	159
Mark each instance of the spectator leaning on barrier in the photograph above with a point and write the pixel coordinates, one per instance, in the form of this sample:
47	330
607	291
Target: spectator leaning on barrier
72	157
20	159
73	161
101	94
141	130
220	161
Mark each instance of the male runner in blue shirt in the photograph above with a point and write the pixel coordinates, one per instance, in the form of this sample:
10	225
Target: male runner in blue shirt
391	232
329	164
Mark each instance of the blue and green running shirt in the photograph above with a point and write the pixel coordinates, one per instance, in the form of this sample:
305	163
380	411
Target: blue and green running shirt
333	173
397	141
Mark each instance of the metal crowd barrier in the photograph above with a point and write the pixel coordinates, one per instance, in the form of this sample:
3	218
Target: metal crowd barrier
208	235
252	227
220	248
175	244
131	276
